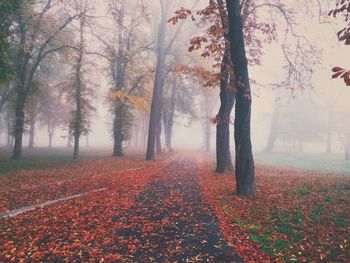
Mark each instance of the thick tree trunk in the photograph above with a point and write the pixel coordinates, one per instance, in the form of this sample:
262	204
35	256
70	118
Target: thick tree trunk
19	123
76	146
273	130
118	129
158	138
157	97
155	115
156	107
9	129
50	132
245	171
227	99
32	132
79	118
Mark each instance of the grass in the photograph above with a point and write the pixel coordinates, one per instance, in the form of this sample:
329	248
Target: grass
296	216
334	163
43	158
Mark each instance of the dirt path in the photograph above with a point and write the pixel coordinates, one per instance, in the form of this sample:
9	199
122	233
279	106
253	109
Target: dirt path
170	222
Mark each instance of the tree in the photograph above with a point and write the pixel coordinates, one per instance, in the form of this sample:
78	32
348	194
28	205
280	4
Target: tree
215	44
164	45
125	50
245	174
37	36
51	109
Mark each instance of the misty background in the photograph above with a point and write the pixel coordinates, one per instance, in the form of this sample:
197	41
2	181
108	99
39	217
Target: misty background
313	119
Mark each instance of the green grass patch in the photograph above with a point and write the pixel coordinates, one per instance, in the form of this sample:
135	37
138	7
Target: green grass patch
304	190
334	163
34	163
315	214
340	221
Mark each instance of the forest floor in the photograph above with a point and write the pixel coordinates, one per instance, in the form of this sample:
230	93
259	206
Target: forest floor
176	209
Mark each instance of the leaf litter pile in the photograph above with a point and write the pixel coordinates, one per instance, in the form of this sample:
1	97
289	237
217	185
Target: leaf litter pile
174	210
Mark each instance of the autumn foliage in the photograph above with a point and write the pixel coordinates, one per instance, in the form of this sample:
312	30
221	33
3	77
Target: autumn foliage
341	73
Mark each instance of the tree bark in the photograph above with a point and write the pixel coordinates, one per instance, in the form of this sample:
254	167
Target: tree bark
19	123
273	130
227	99
32	132
245	172
79	118
157	97
158	138
50	132
9	127
118	129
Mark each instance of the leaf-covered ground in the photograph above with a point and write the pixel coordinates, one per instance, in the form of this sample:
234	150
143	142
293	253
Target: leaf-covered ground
153	214
296	216
27	187
173	210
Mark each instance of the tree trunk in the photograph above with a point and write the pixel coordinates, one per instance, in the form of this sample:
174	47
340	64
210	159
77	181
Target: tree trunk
79	118
19	123
157	97
273	130
245	172
9	128
227	99
50	132
158	138
118	129
32	132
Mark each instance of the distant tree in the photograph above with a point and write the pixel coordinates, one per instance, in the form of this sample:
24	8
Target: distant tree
164	44
125	48
207	109
81	91
36	35
51	110
31	110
